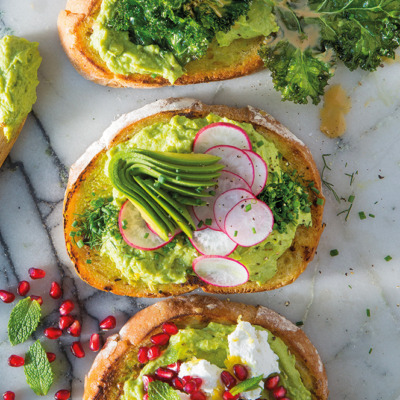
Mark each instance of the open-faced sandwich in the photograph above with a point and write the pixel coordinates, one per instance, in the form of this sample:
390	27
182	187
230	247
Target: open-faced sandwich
180	195
19	62
150	43
202	348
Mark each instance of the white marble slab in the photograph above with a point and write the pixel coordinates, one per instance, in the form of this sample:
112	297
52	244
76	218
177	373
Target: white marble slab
361	353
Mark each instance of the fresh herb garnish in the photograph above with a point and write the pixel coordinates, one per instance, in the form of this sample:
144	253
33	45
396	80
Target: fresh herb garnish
245	386
362	215
327	184
162	391
334	252
208	221
368	311
299	323
247	208
388	258
24	319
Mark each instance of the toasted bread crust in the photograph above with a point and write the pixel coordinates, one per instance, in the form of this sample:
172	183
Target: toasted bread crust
5	147
290	265
106	370
75	26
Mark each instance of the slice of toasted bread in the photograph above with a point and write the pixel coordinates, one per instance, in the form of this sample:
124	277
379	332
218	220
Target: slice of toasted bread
5	146
102	273
75	27
117	359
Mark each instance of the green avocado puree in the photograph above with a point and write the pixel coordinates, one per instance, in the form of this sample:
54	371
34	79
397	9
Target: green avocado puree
124	57
211	343
19	62
172	263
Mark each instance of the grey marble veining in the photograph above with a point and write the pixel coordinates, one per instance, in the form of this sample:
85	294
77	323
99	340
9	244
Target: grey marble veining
361	352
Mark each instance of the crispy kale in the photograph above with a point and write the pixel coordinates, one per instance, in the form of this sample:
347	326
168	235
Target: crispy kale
359	32
183	27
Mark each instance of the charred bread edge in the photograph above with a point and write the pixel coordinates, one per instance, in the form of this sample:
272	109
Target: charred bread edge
143	324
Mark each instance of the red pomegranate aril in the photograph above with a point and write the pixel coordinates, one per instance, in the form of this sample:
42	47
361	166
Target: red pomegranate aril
95	342
177	383
52	333
108	323
6	297
164	374
62	395
75	329
228	379
240	372
142	355
23	288
37	298
51	357
153	352
160	339
190	387
170	328
65	321
186	379
55	290
36	273
228	396
198	396
16	361
9	395
272	382
77	350
146	380
279	392
284	398
198	382
66	307
176	366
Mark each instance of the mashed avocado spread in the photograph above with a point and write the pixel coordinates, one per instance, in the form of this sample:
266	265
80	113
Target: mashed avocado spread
123	56
173	262
213	344
19	62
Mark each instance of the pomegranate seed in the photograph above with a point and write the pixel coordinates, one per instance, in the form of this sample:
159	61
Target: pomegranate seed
94	343
9	395
164	373
52	333
176	366
51	357
190	387
75	329
62	395
66	307
228	379
284	398
161	339
279	392
240	372
16	361
198	382
55	291
228	396
272	382
77	350
198	396
170	328
37	298
36	273
146	380
153	352
65	321
146	396
177	383
186	379
23	288
142	355
6	297
108	323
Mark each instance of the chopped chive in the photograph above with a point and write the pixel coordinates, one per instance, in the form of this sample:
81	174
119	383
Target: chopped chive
368	311
72	233
362	215
154	76
200	224
75	224
334	252
161	179
156	256
146	235
208	221
350	286
80	243
235	234
260	143
178	178
351	198
372	215
315	190
311	184
370	351
320	201
88	261
124	224
212	192
388	258
299	323
247	208
254	230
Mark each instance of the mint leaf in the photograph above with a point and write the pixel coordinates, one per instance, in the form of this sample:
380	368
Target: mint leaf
162	391
39	375
248	384
24	319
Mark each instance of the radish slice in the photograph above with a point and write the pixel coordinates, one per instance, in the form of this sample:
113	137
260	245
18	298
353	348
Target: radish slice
210	242
249	222
226	201
260	172
220	133
227	180
235	160
220	271
137	234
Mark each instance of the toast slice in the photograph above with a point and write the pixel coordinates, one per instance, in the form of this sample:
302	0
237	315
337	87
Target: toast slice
118	357
75	27
102	272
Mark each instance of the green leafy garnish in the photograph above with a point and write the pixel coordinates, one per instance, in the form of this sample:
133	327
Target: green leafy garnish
247	385
23	321
334	252
388	258
39	375
162	391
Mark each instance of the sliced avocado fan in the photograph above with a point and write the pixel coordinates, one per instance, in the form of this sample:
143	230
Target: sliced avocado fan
162	184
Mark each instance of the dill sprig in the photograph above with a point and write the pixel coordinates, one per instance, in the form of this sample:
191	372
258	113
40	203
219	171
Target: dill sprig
327	184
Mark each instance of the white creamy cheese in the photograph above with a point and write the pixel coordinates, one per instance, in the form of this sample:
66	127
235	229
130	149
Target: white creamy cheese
209	373
252	347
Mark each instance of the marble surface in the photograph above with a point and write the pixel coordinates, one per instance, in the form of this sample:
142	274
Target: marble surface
361	352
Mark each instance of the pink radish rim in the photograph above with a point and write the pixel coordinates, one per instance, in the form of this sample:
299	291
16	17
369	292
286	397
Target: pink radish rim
266	167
